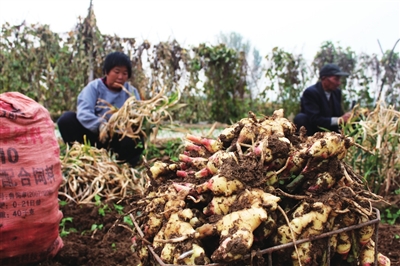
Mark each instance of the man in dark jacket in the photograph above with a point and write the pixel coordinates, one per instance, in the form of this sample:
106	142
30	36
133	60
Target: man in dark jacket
321	103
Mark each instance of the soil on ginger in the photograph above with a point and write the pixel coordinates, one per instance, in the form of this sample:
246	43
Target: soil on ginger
111	246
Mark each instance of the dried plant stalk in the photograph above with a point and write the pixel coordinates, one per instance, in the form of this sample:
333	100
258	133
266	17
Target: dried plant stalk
129	119
378	132
89	171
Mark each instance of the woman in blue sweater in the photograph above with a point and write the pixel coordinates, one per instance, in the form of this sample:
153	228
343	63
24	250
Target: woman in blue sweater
88	119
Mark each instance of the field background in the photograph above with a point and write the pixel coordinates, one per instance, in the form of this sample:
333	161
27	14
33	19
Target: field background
217	85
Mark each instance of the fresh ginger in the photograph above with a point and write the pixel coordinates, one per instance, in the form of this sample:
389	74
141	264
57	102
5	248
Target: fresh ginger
161	168
211	145
312	221
324	181
367	256
195	256
330	144
236	228
365	233
230	133
214	162
197	162
200	150
219	205
343	244
177	230
277	124
161	206
236	231
219	185
303	252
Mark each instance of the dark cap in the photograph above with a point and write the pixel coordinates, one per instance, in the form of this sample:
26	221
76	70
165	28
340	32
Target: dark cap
331	70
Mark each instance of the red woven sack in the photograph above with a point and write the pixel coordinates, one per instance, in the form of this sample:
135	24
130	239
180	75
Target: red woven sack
30	176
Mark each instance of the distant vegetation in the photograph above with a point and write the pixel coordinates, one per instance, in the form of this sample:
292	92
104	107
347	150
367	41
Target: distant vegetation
218	82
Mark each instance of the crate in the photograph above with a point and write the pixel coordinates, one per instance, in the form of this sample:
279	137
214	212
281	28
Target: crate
270	250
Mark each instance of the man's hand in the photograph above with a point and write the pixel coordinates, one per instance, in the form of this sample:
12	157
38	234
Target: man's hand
344	118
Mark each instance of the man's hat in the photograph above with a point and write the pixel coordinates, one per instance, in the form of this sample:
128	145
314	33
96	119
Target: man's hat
331	70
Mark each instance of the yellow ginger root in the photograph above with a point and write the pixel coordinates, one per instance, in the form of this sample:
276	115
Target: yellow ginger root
230	133
195	256
214	163
236	228
276	124
160	169
153	225
343	244
344	241
177	230
236	231
330	144
324	181
211	145
265	229
303	252
312	221
219	185
216	160
162	204
304	224
296	160
176	201
219	205
367	256
365	233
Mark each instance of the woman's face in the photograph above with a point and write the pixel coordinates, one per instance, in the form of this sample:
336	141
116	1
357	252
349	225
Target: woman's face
117	77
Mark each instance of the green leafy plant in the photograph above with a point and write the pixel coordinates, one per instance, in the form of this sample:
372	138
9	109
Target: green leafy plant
287	73
103	208
171	148
119	209
225	86
62	203
128	220
95	227
390	215
64	231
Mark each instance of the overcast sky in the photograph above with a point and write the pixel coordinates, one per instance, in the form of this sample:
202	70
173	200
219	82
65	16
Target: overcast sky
296	26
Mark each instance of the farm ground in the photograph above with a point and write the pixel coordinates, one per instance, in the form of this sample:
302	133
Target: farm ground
112	244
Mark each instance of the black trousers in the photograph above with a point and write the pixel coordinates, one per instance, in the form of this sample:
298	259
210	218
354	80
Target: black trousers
127	149
302	119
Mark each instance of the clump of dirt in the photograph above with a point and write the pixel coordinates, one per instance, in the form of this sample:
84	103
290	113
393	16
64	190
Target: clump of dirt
248	171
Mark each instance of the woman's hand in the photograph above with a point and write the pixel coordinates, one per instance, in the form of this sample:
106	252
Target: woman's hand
103	132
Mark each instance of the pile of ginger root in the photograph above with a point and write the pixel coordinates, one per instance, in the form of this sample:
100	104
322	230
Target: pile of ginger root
258	185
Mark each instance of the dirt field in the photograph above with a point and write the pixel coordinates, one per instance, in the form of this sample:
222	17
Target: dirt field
111	245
